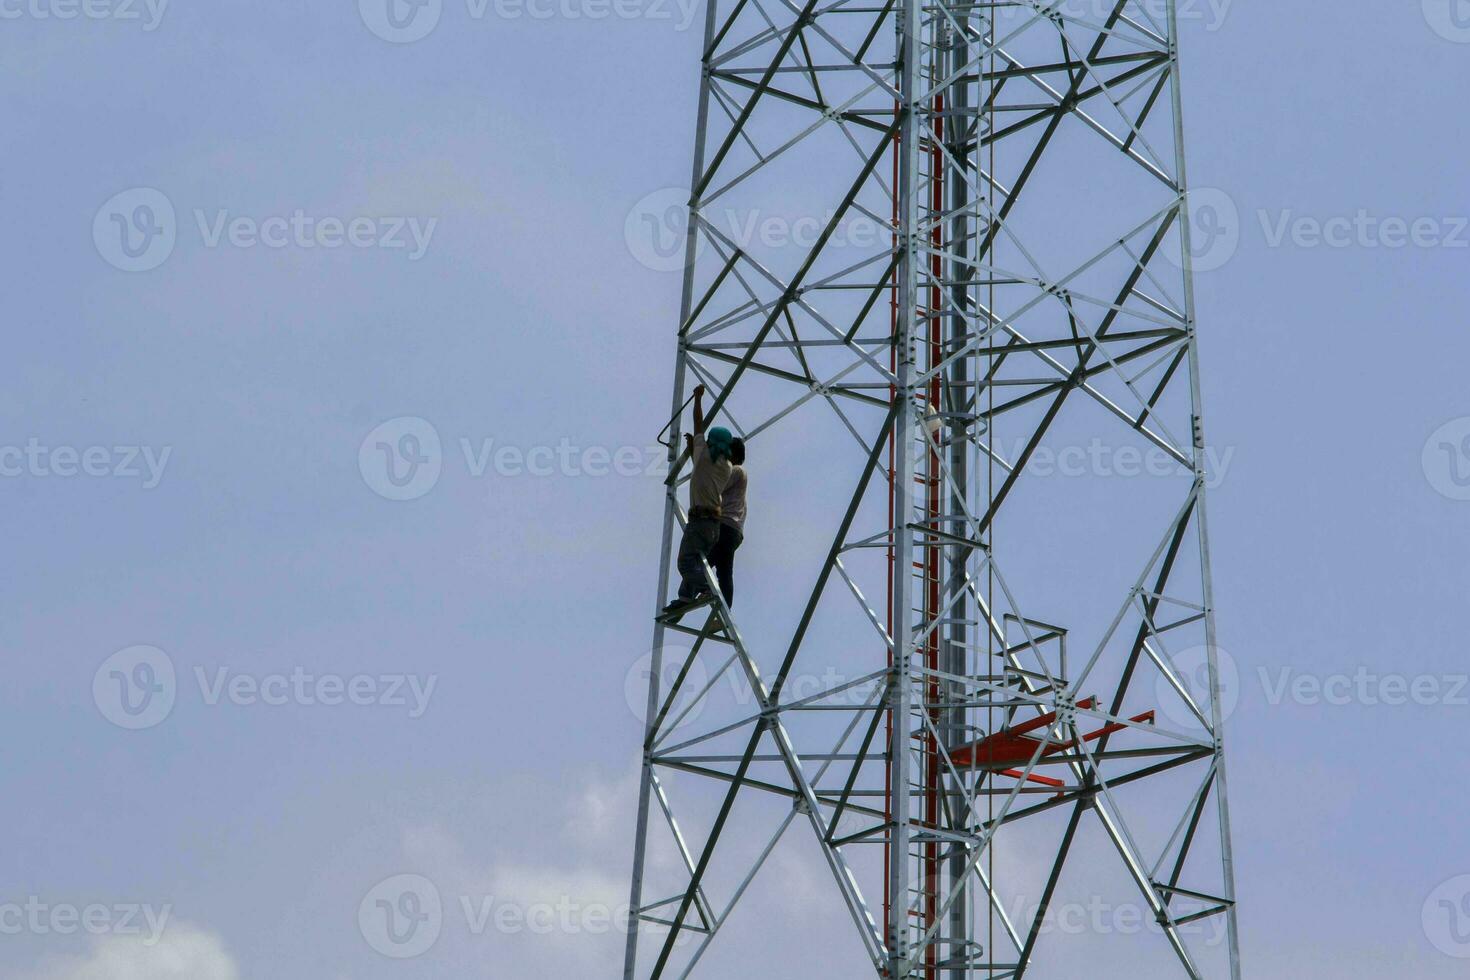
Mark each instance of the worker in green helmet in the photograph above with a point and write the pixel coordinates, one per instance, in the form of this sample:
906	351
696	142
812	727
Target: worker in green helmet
710	453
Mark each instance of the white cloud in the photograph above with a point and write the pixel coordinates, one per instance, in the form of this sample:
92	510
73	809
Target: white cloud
541	884
184	953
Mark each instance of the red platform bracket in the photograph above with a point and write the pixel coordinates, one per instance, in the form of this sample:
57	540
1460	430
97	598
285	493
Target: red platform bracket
1002	752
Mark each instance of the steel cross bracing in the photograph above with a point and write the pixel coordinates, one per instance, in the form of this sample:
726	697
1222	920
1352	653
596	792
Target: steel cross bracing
1018	705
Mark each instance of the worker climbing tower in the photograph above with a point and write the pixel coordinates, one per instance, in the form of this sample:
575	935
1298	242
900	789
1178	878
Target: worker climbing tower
966	719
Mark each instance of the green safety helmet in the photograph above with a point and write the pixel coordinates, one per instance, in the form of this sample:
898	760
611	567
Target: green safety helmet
720	440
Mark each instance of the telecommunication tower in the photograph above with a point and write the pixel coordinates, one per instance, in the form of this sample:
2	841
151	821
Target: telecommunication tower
988	538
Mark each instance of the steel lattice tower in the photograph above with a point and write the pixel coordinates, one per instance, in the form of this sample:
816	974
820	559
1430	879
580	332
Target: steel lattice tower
1020	705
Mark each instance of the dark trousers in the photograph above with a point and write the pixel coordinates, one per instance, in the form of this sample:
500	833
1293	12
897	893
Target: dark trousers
700	538
723	558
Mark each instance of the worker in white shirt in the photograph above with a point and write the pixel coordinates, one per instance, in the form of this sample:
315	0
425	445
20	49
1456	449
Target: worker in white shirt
710	454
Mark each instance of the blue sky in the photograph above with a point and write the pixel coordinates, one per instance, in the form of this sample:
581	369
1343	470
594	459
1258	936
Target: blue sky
451	670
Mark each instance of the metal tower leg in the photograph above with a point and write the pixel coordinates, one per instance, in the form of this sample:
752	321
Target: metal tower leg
671	505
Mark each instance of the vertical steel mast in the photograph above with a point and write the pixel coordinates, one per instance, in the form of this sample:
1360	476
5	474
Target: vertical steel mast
976	689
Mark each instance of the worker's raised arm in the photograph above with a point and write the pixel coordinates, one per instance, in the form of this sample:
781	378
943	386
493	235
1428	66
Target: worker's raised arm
699	419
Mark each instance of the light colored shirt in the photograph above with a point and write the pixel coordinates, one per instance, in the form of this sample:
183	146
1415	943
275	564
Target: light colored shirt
732	502
709	479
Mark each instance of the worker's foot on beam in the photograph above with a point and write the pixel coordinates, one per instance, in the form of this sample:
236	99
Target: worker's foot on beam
680	606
